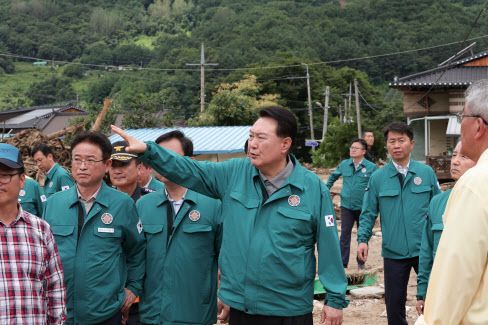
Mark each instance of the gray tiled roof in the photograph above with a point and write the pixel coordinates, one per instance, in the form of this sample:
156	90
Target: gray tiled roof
454	74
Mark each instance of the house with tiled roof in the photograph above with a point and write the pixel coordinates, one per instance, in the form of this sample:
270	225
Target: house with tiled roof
431	99
48	119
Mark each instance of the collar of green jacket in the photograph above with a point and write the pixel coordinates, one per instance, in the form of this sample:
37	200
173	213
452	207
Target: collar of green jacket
52	171
189	197
103	197
412	168
296	178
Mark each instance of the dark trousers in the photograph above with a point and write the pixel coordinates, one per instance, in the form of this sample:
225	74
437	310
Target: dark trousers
133	315
397	273
114	320
238	317
348	218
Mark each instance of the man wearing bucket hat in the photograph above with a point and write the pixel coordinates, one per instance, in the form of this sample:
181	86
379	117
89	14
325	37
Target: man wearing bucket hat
29	257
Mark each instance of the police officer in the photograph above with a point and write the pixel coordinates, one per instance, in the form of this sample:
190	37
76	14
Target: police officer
274	211
434	226
57	178
32	198
183	234
146	180
99	238
125	170
355	173
400	192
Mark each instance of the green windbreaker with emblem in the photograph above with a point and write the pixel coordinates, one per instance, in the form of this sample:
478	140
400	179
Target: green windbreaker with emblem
267	259
402	209
32	198
57	180
430	240
355	182
95	268
156	185
180	285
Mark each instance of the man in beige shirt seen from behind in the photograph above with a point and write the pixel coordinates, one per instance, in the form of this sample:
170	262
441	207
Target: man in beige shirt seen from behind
458	289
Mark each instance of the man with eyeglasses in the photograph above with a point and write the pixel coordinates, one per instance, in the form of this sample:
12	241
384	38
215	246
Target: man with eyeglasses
458	286
99	237
31	282
355	173
57	178
401	192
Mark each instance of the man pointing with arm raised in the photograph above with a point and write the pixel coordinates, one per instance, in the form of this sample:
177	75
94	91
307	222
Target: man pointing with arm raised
274	212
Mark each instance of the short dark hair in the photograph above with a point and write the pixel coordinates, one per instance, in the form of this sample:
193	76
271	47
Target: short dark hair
361	141
96	138
44	148
287	123
246	146
186	143
400	127
366	131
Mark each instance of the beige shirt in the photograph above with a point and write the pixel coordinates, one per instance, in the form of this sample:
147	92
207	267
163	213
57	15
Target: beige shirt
458	286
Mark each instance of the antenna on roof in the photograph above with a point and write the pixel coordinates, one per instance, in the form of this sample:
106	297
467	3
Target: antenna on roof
459	54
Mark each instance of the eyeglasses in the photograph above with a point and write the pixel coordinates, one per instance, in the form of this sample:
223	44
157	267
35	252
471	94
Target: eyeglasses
88	162
356	148
460	117
7	178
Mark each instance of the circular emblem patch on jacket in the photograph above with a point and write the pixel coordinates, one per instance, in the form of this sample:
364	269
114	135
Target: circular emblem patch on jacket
22	193
194	215
294	200
107	218
51	184
363	170
417	180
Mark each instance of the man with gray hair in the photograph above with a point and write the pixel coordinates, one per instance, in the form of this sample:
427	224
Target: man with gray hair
458	290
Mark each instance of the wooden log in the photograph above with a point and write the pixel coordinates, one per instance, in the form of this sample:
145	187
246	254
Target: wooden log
106	105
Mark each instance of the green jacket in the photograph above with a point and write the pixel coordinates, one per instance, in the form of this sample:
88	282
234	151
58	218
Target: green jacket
355	182
156	185
267	260
31	197
180	285
95	271
57	180
430	240
402	210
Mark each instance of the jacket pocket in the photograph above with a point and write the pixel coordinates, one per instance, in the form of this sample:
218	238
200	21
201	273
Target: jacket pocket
389	193
420	189
437	229
107	232
196	228
153	229
246	201
62	230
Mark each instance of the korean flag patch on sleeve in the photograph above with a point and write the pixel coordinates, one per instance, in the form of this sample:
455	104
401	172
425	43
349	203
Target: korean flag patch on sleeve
43	198
139	226
329	220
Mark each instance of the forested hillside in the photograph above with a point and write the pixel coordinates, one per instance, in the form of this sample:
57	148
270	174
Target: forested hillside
162	36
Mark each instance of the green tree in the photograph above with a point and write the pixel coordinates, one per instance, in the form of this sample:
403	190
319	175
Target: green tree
235	104
51	90
145	112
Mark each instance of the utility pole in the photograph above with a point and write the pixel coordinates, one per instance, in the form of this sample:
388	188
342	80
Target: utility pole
310	106
358	113
326	112
202	65
345	111
350	96
340	113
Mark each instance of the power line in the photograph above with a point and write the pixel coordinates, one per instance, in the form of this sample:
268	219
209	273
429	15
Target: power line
106	66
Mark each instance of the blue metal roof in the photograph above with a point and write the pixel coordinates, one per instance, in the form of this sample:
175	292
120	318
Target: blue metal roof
206	140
